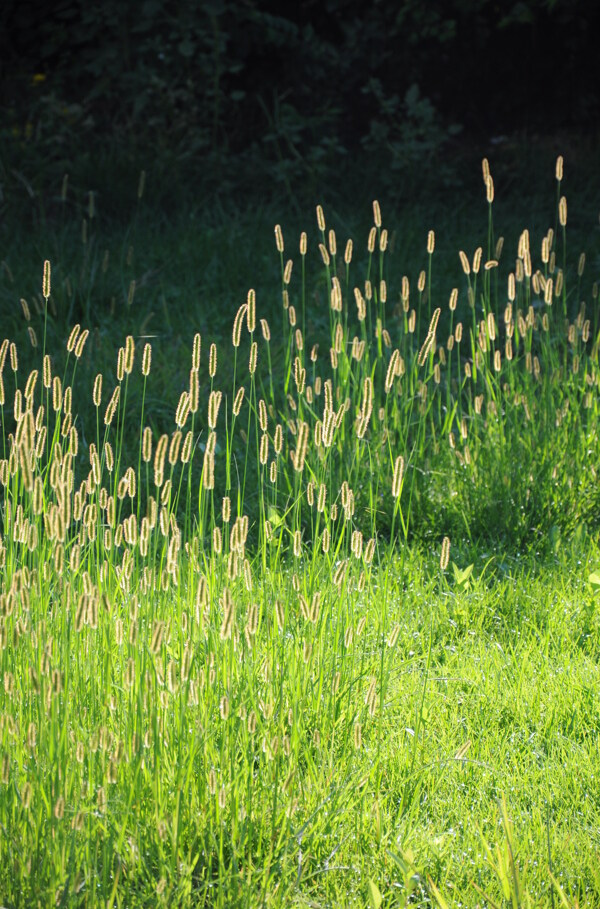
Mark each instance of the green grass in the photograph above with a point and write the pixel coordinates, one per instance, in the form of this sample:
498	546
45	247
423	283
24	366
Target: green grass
240	666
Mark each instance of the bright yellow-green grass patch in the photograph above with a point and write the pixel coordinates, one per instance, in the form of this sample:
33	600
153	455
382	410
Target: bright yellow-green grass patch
265	657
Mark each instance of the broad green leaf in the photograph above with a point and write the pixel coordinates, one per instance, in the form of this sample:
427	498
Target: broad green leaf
461	575
274	517
594	579
375	897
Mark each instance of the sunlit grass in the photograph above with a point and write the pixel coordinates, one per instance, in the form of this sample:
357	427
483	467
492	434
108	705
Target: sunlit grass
254	651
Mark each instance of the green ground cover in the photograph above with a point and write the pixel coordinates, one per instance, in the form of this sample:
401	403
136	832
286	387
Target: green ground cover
286	624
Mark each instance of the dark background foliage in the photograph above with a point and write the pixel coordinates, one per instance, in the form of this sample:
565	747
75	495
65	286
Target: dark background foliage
234	92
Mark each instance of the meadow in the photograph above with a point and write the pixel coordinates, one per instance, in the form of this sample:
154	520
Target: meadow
307	614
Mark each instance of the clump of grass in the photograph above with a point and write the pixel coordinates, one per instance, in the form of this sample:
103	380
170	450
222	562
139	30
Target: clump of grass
199	642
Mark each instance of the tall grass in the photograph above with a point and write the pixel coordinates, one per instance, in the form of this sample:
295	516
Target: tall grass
200	633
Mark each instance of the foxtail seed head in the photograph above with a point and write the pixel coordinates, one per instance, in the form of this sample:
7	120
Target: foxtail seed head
72	341
214	403
279	238
196	351
121	364
146	360
46	281
212	361
129	354
252	358
562	211
332	241
397	477
97	395
251	311
429	341
238	401
266	331
445	556
194	393
81	343
236	335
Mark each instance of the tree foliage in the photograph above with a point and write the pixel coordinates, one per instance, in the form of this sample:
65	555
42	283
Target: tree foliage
296	87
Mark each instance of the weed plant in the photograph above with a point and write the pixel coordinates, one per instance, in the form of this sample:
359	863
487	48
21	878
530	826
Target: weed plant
209	634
